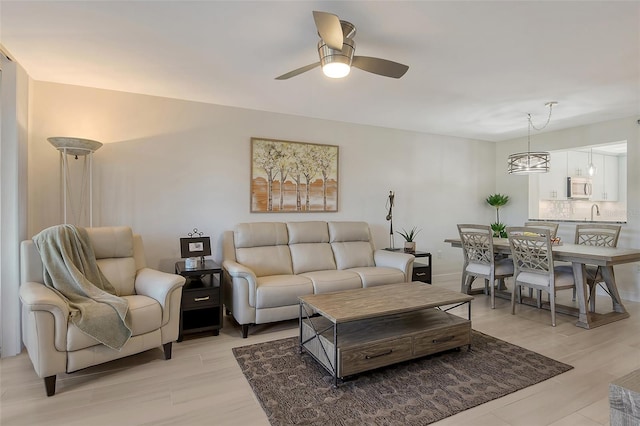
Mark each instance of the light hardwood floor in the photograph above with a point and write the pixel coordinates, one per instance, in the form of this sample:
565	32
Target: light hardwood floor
203	384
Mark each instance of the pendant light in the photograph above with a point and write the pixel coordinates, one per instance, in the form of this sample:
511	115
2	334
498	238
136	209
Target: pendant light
530	161
592	170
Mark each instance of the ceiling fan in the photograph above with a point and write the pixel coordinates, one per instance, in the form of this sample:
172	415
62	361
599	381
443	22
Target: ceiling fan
336	49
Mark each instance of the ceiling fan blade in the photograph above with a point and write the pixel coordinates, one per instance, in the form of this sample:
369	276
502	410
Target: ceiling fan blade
329	28
298	71
380	66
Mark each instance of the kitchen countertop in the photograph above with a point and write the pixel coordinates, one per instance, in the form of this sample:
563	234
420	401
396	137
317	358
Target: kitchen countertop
579	221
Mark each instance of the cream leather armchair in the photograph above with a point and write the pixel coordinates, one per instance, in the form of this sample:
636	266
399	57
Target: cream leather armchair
55	345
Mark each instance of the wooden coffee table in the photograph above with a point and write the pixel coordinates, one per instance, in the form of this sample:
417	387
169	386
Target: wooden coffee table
359	330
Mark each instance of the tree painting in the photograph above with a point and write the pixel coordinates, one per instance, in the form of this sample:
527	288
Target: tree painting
301	177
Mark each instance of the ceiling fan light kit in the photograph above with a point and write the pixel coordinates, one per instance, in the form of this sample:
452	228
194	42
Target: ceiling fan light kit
531	162
336	63
336	50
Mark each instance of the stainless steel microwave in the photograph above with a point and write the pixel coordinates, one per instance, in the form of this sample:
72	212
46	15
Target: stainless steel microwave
579	188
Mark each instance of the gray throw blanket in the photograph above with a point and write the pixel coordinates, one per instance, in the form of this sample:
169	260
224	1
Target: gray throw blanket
70	269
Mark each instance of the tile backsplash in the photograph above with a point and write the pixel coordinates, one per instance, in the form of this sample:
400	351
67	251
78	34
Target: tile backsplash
581	210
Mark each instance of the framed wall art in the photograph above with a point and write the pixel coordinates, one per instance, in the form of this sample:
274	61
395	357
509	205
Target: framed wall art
293	177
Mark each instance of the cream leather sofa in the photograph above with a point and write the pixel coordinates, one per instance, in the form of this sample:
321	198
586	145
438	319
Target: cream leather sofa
267	265
55	345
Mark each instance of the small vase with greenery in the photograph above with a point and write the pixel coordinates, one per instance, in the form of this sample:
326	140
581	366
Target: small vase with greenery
499	230
409	237
497	201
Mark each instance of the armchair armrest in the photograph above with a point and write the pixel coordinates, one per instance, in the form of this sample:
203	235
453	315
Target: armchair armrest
390	259
236	270
158	285
39	297
35	298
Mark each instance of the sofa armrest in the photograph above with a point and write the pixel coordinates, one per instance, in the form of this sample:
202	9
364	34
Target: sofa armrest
390	259
160	286
236	270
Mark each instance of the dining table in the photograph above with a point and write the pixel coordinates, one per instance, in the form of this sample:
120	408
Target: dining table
581	255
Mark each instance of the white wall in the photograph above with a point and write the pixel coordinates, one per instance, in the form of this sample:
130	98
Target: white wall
627	276
168	166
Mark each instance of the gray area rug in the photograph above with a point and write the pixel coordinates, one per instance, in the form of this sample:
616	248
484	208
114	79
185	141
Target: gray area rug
294	389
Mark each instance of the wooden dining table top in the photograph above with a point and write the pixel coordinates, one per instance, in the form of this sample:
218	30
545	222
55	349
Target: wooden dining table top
578	253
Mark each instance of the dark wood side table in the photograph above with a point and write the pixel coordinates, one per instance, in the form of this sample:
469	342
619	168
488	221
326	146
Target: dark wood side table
201	307
421	270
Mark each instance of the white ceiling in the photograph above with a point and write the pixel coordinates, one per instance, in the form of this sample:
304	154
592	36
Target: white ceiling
476	68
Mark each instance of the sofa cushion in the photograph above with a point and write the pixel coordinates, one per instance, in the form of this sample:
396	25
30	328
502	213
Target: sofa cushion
281	290
268	260
145	314
328	281
308	232
309	257
353	254
308	243
375	276
348	231
260	234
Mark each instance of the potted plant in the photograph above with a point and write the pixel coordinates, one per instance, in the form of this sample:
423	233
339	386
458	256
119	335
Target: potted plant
497	201
499	230
409	237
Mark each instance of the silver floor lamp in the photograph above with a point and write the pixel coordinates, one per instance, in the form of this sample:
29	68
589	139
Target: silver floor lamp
72	209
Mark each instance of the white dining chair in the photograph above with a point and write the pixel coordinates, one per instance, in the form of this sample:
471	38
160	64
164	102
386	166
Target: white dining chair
603	235
551	226
480	260
533	265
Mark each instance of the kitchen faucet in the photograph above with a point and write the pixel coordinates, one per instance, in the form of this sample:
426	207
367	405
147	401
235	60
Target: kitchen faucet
597	211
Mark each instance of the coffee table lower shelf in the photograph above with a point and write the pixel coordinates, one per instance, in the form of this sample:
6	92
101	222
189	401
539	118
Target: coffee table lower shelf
377	342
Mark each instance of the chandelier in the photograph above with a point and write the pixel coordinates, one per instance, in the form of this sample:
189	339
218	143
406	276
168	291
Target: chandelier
530	161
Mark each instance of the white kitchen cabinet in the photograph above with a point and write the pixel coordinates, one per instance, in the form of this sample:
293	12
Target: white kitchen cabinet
605	181
610	178
597	180
577	163
553	185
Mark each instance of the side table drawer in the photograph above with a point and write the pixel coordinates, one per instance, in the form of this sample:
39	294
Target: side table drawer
200	298
421	272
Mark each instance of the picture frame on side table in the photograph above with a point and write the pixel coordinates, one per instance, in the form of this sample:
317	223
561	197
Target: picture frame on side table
195	247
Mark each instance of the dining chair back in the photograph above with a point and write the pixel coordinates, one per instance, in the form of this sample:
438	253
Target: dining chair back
533	265
551	226
603	235
593	234
480	260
